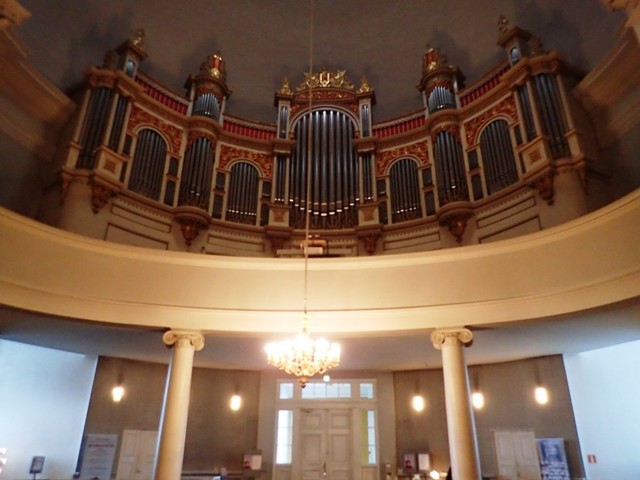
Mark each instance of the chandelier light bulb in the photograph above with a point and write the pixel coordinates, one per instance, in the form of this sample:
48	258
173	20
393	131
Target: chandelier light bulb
303	357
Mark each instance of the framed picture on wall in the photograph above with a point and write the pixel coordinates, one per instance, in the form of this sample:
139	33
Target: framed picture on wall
409	463
37	465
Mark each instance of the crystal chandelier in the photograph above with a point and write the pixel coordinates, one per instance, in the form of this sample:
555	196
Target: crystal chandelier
303	356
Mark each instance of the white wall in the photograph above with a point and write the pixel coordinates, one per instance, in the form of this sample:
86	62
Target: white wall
605	387
44	396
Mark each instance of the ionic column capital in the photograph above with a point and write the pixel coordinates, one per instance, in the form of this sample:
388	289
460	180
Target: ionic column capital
181	338
451	336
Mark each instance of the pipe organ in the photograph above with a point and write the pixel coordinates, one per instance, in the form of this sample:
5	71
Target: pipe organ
327	137
371	187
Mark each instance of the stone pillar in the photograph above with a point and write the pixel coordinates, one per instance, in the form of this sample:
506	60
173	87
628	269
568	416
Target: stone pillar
175	408
463	446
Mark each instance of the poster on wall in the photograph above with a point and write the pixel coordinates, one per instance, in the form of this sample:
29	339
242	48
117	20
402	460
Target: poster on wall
97	456
553	459
409	462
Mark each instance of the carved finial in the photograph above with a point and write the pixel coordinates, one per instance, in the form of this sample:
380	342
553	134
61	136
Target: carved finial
503	24
536	46
110	60
285	89
214	64
138	37
364	85
433	58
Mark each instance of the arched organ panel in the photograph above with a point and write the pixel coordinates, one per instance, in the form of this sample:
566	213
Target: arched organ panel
498	159
242	196
95	124
197	171
404	191
332	171
451	177
149	164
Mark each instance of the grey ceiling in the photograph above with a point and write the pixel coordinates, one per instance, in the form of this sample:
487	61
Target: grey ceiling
263	41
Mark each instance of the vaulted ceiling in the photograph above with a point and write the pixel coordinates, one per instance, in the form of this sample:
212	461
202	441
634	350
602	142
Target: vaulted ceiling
264	41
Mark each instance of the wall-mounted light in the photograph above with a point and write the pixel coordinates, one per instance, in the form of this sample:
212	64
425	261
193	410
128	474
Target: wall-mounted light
477	400
235	403
434	474
417	402
326	378
117	393
541	395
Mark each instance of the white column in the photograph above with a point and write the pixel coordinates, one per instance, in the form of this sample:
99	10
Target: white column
175	409
463	446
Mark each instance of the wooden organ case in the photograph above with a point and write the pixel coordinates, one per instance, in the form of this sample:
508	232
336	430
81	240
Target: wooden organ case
148	166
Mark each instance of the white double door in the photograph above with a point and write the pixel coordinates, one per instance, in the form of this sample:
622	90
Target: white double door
516	455
326	444
137	454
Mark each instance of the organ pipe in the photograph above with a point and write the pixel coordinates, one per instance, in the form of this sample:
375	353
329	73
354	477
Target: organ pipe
207	105
552	114
280	178
405	191
94	127
334	171
148	164
197	173
118	122
452	184
525	104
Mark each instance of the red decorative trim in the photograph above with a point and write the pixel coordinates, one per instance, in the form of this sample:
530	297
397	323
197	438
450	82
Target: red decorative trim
505	108
229	154
418	150
141	117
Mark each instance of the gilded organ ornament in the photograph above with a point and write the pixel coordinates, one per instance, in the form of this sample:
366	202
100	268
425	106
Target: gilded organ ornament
503	24
262	160
364	86
325	79
507	108
141	117
417	150
285	89
138	37
215	66
433	59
